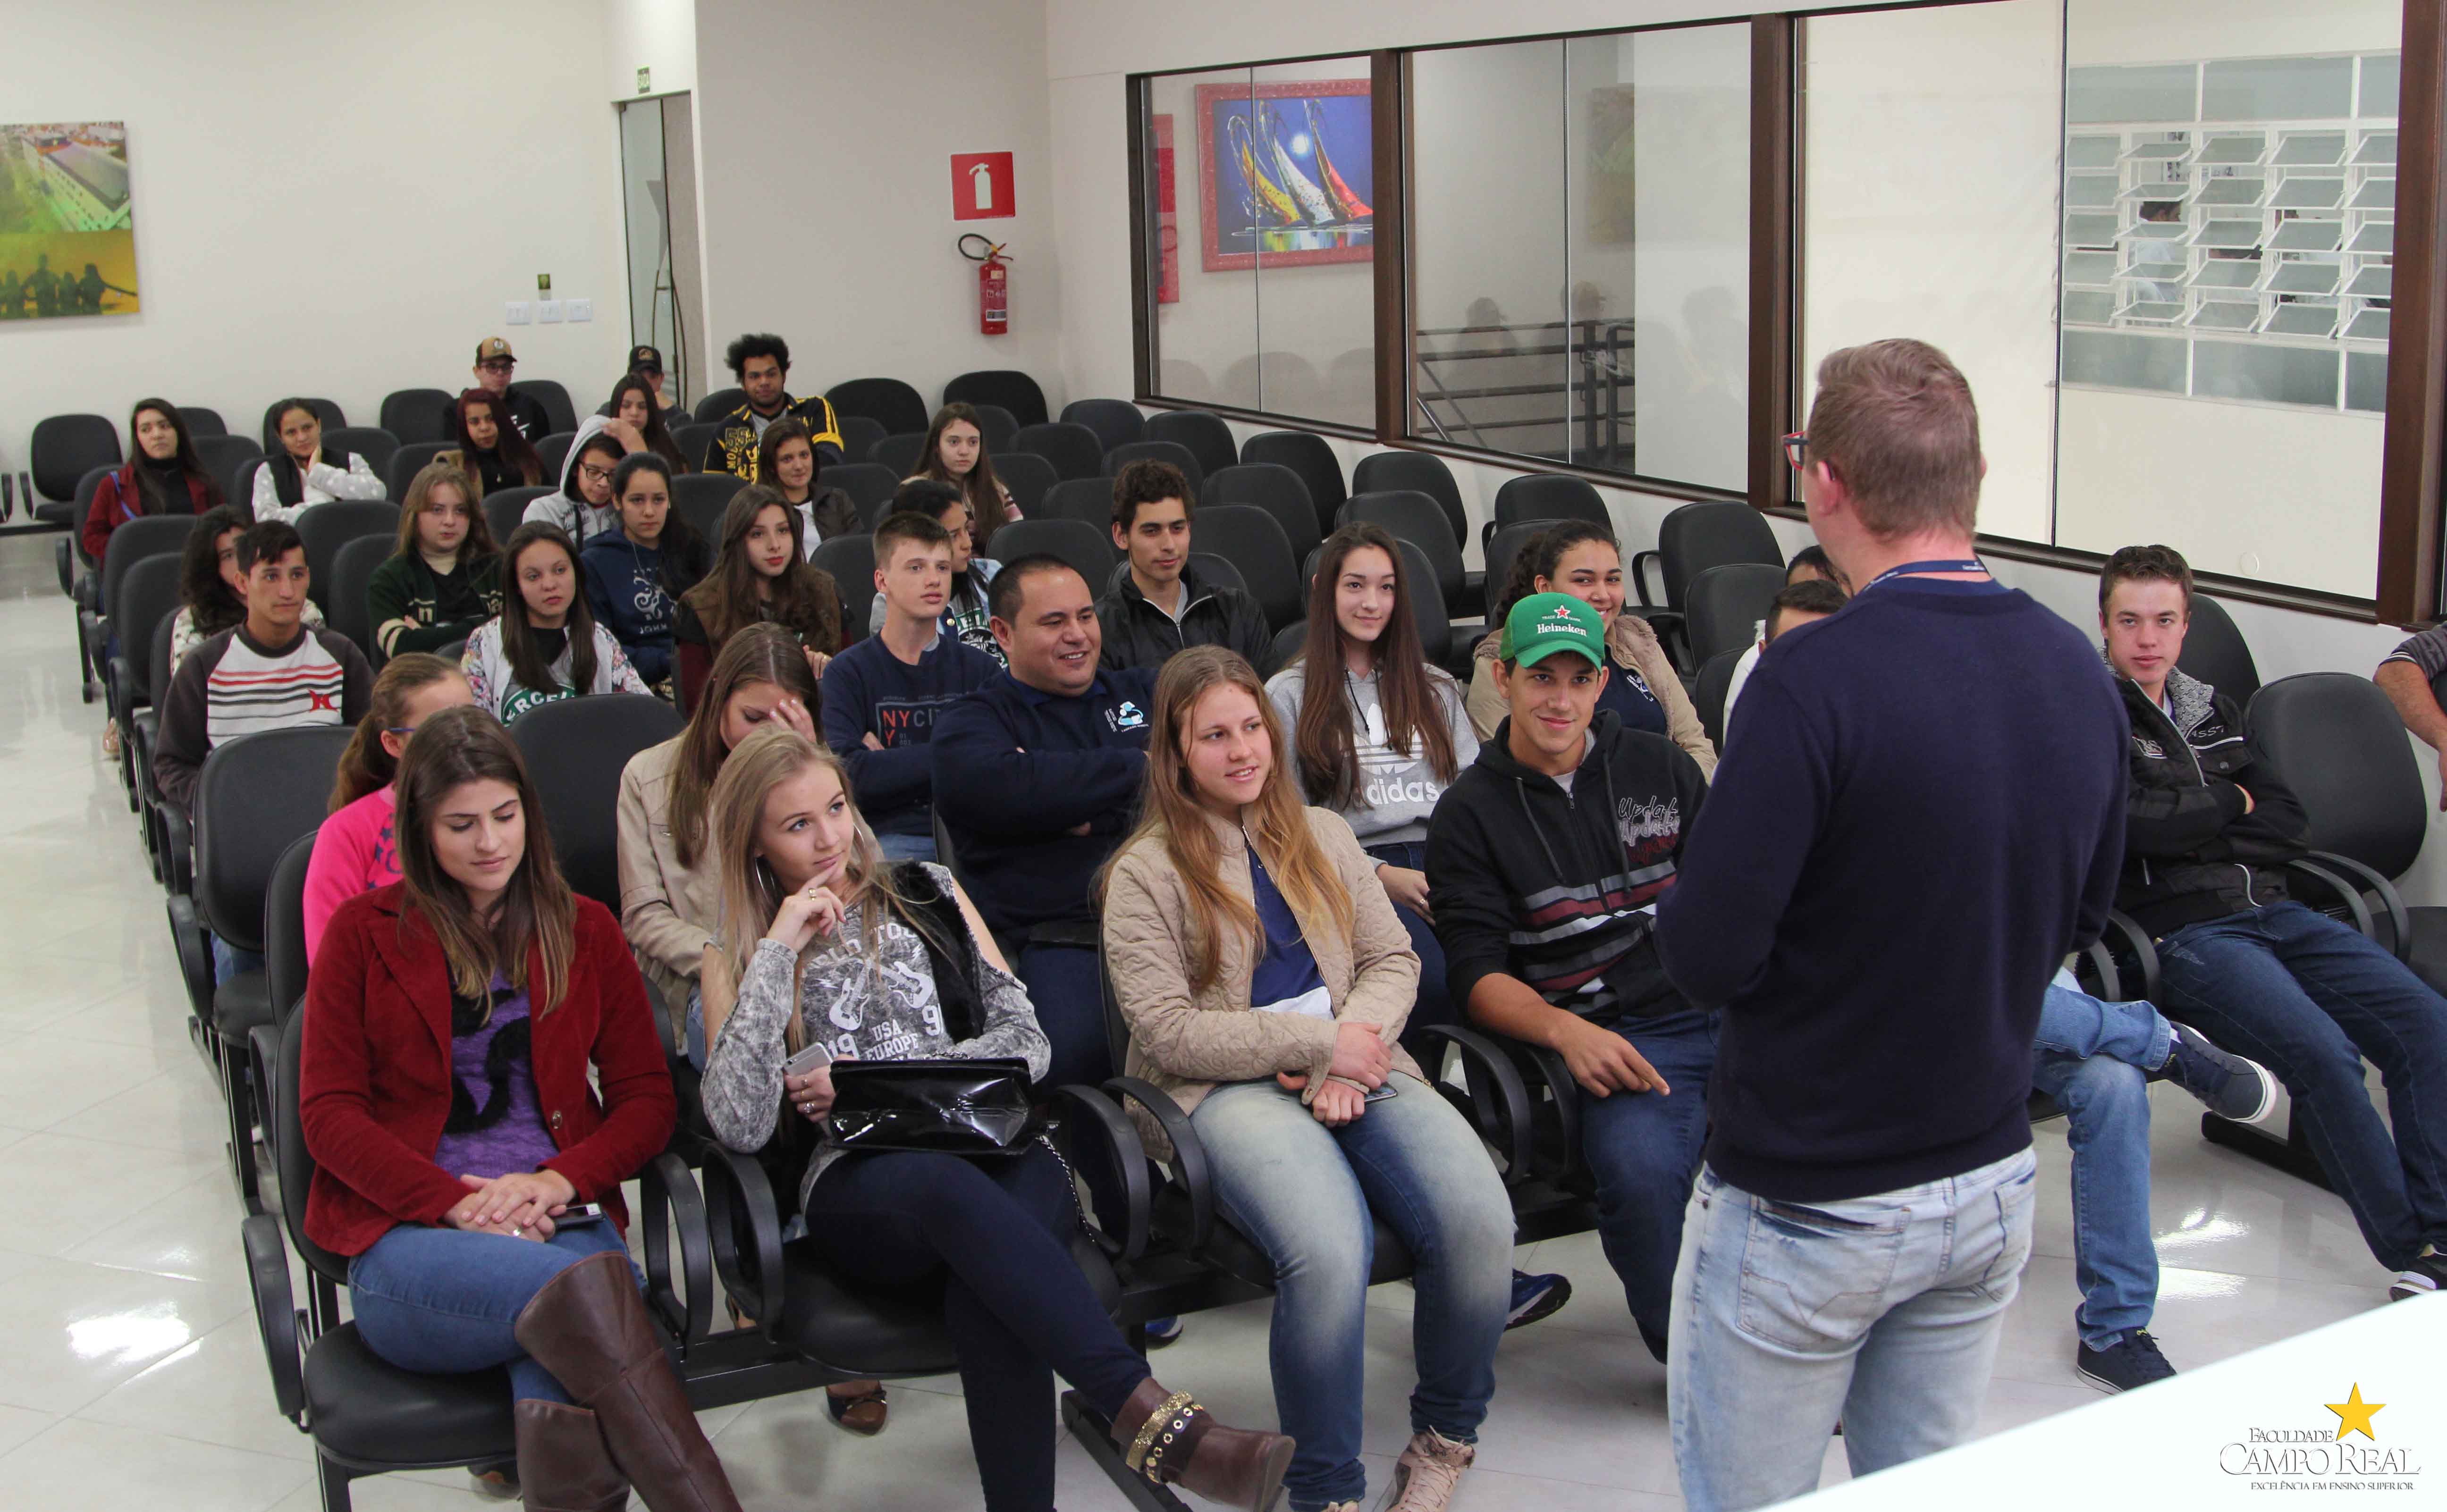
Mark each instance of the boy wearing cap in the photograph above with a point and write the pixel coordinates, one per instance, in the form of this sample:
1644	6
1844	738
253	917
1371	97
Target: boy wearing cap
495	366
1546	858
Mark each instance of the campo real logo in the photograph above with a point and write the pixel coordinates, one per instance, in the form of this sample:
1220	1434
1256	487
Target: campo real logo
2323	1458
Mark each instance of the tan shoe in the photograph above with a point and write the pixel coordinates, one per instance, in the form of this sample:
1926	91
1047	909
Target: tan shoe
1428	1473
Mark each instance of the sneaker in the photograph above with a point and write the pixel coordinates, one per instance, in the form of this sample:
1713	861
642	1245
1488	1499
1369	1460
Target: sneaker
2229	1086
2131	1361
1428	1473
1161	1330
2422	1277
1536	1296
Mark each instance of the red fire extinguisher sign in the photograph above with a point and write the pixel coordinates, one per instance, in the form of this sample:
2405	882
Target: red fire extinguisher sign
993	285
982	186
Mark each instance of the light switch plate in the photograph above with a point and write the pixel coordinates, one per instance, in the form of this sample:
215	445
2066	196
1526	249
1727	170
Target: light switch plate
516	311
547	312
581	309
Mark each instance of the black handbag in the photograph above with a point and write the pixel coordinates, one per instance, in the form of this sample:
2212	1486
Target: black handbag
947	1107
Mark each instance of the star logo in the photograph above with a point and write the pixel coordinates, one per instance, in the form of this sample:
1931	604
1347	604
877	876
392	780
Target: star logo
2354	1414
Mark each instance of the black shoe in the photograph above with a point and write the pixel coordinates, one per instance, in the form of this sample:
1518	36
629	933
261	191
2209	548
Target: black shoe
1536	1296
1162	1331
2425	1276
2131	1361
2229	1085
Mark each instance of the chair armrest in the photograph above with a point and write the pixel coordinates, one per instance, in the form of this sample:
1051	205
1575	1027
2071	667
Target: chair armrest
263	1054
2351	896
2136	940
63	559
178	851
665	1192
2102	960
2368	878
661	1011
122	677
1118	1148
195	955
1639	580
276	1314
1189	1163
736	1192
1498	1100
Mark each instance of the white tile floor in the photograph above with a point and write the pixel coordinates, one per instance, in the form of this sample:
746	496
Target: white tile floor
133	1376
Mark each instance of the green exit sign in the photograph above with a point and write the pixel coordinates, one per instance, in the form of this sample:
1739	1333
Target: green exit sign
645	81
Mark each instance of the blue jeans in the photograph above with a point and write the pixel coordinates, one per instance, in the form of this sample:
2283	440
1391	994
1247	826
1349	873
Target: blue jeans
229	961
1644	1150
2312	999
1882	1310
444	1301
2105	1094
1433	1006
1066	986
907	847
1303	1194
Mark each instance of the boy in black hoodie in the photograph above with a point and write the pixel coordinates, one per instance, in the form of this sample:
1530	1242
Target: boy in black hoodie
1545	858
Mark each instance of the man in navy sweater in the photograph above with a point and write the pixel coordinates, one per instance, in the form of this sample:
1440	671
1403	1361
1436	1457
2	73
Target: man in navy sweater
1037	776
884	694
1924	813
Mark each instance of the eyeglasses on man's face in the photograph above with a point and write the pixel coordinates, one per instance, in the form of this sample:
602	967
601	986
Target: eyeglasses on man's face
1797	446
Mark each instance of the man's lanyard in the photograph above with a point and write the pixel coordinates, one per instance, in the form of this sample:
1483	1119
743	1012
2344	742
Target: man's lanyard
1971	564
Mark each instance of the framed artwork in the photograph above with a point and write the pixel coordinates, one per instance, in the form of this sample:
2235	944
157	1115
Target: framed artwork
1285	170
1612	221
68	231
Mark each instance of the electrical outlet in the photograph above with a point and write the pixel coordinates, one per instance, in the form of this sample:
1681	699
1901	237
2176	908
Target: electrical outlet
581	309
547	312
516	311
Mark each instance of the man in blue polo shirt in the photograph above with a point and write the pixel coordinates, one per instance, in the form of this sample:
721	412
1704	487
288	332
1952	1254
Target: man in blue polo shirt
1037	777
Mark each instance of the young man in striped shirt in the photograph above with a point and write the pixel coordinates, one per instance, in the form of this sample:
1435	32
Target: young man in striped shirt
1546	858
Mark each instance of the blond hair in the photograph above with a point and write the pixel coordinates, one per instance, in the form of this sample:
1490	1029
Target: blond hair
1894	420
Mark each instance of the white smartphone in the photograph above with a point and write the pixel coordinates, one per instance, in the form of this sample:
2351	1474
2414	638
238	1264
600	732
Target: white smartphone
808	1060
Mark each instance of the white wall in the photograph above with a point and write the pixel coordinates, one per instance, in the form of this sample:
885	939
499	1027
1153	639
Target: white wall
657	35
824	137
335	200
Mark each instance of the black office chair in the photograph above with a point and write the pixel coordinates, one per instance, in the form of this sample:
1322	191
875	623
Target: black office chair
133	542
325	528
901	452
558	412
1075	450
1419	519
142	738
1418	472
1006	387
353	571
851	560
238	486
1089	501
997	428
1253	541
2215	652
692	441
1724	605
858	436
721	403
1715	680
1503	549
221	456
1272	488
1207	436
870	486
553	451
202	420
575	751
1082	545
284	932
1113	421
1697	536
1154	450
1028	477
411	459
506	509
888	401
62	450
147	595
1289	641
1546	497
1311	456
415	415
702	496
375	444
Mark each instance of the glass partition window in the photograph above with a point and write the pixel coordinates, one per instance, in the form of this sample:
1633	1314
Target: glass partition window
1578	238
1262	247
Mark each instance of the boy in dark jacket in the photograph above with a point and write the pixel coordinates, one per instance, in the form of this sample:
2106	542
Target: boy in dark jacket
1545	858
2209	835
1159	605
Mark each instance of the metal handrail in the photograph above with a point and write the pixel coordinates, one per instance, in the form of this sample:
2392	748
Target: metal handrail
1593	395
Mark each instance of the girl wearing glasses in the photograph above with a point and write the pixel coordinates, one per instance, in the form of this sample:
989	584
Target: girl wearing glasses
355	851
584	507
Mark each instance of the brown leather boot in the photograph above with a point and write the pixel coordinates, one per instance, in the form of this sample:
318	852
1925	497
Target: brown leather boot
1171	1439
589	1328
564	1466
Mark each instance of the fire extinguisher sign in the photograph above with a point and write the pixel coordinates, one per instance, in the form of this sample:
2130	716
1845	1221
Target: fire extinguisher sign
982	186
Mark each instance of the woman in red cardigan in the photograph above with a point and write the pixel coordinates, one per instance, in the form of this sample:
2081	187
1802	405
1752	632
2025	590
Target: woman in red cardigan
164	476
450	1021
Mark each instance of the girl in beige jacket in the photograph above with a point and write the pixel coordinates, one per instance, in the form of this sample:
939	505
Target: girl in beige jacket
1581	559
1264	979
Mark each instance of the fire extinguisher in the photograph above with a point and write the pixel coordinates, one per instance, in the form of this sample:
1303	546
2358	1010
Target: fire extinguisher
994	284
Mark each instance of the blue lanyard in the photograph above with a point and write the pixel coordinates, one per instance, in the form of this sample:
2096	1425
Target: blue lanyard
1971	564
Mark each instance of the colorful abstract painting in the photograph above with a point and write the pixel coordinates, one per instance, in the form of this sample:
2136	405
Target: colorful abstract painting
1286	174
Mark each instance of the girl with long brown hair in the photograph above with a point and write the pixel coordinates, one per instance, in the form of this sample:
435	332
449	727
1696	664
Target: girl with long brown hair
883	961
302	472
356	851
162	476
955	453
444	576
473	1177
490	447
786	462
760	575
635	405
544	644
1266	978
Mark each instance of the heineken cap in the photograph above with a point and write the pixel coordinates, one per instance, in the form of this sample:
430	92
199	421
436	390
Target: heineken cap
1542	624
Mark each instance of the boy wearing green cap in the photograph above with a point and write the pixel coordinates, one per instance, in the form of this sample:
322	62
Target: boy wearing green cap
1546	858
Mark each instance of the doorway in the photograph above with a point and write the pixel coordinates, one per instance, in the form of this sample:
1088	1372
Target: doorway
659	204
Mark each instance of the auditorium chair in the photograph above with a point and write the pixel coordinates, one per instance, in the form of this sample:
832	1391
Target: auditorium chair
2215	652
870	486
1153	450
1502	550
202	420
996	428
553	451
1205	434
559	413
133	542
415	415
220	456
1026	477
1253	541
143	738
1272	488
702	497
1696	536
325	411
1723	606
1089	501
375	444
413	457
900	451
692	441
858	436
720	404
1075	450
63	450
888	401
851	560
1311	456
353	572
1086	548
1708	693
1418	519
325	528
147	596
506	508
1006	387
1416	472
284	936
1546	497
575	751
1113	421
